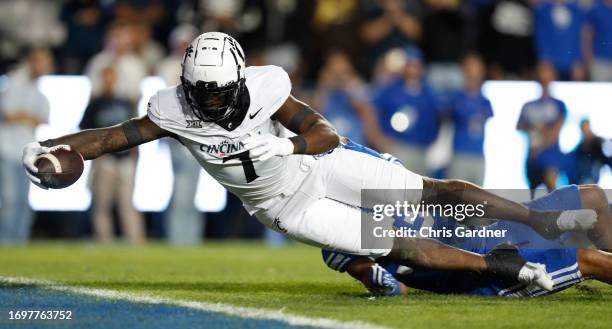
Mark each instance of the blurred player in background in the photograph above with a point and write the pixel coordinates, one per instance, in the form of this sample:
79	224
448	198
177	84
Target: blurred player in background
558	37
22	108
469	111
293	171
342	98
409	113
584	163
112	178
599	38
184	223
542	120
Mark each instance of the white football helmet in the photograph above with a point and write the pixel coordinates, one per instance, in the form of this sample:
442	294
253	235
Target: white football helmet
213	75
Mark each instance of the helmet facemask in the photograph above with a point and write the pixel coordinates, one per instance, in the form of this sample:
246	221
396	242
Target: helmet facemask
209	102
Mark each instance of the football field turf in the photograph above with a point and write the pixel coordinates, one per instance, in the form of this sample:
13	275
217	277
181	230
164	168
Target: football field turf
292	280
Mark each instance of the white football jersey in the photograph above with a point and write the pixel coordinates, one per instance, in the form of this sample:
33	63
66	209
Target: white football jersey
218	150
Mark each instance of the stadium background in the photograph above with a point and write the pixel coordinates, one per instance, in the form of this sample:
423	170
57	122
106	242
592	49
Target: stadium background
339	54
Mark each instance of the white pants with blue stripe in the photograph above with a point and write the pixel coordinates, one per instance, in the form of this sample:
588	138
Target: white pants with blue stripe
325	211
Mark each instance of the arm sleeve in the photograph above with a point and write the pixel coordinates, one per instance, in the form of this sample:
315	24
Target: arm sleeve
153	111
279	88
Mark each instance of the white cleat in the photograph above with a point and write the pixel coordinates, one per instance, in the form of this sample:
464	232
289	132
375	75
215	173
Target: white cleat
577	220
535	273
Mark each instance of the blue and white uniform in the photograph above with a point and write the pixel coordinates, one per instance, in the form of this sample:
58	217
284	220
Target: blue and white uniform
560	260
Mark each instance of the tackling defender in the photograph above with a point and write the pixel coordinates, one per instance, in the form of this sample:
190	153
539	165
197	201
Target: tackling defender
246	130
567	265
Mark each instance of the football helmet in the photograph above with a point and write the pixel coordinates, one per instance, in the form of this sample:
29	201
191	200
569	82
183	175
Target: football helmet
213	76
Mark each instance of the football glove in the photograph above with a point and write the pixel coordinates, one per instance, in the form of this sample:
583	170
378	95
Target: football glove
31	152
263	147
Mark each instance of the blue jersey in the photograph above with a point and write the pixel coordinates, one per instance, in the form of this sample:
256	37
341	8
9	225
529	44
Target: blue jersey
558	34
600	20
339	110
418	110
469	113
544	111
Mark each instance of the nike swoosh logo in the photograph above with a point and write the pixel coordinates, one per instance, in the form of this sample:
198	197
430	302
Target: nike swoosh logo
251	116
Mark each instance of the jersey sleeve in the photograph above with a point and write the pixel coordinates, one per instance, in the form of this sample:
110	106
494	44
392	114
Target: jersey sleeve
278	88
153	111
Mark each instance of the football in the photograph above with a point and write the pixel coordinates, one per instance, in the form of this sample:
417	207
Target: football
59	168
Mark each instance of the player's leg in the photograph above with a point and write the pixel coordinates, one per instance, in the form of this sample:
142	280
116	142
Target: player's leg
103	193
132	222
593	197
595	264
336	226
351	176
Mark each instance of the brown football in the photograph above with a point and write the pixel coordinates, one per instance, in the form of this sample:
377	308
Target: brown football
59	168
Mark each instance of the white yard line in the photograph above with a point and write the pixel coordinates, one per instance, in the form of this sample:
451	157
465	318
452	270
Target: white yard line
239	311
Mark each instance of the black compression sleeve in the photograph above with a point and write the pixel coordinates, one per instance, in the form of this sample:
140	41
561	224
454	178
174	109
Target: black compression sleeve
132	133
300	144
296	120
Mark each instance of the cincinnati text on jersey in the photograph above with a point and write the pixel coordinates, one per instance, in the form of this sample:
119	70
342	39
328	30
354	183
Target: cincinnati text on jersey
222	148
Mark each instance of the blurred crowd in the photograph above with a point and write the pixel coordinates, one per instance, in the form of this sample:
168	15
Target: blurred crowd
391	74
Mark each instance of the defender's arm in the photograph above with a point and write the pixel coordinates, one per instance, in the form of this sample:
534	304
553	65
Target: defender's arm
92	143
315	135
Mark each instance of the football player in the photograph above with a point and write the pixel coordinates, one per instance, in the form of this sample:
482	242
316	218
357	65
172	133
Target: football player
567	265
247	131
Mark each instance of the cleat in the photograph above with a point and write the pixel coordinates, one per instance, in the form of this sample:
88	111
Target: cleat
535	274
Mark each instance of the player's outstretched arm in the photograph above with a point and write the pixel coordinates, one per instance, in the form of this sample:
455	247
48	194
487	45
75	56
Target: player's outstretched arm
93	143
315	135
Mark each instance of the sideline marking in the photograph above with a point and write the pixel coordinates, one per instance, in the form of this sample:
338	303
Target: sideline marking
238	311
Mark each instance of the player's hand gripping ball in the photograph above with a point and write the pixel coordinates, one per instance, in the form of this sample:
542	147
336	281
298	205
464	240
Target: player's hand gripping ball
55	167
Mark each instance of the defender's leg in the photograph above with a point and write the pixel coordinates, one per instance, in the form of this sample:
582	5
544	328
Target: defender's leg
593	197
595	264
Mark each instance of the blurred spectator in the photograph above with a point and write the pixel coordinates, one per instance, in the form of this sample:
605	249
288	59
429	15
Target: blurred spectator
139	11
469	111
333	25
445	41
388	24
558	33
542	120
408	111
341	97
589	157
184	225
599	51
22	108
118	52
112	178
170	68
26	24
505	38
84	20
146	48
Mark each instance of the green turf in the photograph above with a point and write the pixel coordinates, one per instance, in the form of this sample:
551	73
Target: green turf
293	278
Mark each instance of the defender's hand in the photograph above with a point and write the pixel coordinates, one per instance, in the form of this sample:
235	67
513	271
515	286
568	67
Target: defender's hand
31	152
263	147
